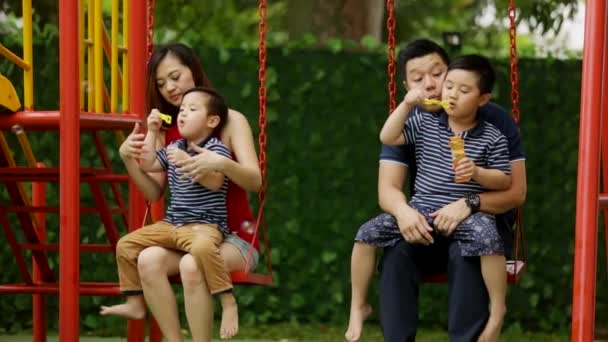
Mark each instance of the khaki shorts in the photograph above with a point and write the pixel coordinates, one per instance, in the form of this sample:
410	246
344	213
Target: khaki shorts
244	247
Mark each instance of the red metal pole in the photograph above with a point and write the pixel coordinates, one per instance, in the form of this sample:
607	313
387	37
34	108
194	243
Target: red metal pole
39	305
587	205
137	69
69	178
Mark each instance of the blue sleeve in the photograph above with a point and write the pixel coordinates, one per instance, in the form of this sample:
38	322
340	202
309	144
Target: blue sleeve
413	127
218	147
161	156
498	155
498	116
403	154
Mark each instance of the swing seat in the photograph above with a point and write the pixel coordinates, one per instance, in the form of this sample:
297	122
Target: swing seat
515	269
8	95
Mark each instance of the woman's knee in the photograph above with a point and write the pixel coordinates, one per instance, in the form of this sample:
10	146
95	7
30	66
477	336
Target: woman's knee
152	262
189	271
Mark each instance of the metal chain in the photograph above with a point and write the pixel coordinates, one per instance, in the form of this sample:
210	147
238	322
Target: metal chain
150	38
262	138
512	11
390	25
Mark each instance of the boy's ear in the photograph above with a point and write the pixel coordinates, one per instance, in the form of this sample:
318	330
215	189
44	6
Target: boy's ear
213	121
485	98
405	86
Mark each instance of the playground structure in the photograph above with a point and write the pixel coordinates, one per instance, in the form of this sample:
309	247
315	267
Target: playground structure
593	145
87	106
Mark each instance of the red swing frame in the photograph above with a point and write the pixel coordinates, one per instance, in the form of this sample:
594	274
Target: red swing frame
516	267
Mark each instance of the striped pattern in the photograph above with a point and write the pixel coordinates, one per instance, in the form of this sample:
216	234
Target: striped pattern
192	202
430	134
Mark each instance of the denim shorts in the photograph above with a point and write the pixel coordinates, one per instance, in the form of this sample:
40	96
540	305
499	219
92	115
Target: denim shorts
244	247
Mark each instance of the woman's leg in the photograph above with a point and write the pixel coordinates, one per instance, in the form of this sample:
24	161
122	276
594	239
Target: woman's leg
155	265
198	300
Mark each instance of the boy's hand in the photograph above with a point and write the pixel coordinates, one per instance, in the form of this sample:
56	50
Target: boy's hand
131	148
466	169
154	121
414	97
175	155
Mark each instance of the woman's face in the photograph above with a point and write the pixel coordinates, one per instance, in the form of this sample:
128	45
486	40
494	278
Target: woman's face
173	79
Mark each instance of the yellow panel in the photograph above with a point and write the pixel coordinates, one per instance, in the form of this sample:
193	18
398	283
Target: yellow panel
8	95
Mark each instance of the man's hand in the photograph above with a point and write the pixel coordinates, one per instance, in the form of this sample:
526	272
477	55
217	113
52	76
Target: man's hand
414	227
450	216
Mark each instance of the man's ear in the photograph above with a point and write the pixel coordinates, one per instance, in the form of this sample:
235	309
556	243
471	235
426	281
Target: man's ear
485	98
213	121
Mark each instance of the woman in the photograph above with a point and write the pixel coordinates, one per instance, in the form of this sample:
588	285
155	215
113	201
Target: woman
172	70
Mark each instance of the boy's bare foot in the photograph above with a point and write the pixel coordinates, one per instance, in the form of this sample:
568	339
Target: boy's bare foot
133	308
358	315
229	326
491	332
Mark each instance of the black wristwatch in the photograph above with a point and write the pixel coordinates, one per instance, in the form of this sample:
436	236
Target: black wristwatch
472	201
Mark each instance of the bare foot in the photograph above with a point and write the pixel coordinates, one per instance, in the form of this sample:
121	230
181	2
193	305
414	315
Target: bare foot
358	315
133	308
491	332
230	319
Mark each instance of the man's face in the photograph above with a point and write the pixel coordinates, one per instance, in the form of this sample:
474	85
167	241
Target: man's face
426	73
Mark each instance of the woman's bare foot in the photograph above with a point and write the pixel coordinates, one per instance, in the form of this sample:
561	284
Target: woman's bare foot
491	332
134	308
358	315
229	326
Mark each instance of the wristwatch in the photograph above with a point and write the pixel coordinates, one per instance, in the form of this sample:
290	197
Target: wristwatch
472	201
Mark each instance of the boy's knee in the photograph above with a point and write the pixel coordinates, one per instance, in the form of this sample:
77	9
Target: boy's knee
202	248
123	247
189	271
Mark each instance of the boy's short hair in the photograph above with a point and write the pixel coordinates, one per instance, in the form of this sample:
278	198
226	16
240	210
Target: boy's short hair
421	48
215	105
479	65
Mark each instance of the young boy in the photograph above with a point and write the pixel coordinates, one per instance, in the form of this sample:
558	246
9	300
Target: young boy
467	86
195	221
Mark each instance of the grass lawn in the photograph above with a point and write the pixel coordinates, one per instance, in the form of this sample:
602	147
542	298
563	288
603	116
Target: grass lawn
321	333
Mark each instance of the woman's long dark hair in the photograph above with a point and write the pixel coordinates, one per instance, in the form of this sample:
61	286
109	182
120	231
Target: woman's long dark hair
187	57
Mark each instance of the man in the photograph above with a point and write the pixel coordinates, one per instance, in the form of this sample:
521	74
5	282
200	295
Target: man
423	252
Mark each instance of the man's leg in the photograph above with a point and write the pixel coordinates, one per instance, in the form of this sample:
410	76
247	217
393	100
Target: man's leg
469	302
399	293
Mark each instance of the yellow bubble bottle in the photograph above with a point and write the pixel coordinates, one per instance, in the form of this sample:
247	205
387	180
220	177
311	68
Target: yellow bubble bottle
457	147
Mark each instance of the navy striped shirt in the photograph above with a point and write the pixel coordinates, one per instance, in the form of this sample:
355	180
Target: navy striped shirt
192	202
430	134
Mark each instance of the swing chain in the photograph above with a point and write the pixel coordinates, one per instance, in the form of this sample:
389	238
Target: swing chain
150	38
390	25
512	11
262	138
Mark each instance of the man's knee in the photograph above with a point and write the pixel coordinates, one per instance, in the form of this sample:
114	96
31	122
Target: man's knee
189	271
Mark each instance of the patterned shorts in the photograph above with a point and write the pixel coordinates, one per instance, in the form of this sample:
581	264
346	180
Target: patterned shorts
244	247
477	235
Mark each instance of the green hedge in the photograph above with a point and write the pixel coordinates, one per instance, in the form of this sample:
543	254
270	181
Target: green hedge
325	110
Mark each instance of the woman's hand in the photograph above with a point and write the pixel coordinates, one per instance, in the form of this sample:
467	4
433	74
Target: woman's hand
131	148
198	166
175	155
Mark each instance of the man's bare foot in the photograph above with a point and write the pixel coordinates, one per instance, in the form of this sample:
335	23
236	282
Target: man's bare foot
358	315
491	332
134	308
229	326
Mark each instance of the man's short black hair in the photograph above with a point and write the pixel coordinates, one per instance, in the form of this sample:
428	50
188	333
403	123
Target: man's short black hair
421	48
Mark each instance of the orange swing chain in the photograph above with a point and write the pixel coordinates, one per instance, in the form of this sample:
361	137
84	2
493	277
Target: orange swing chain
512	12
150	40
391	69
262	137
